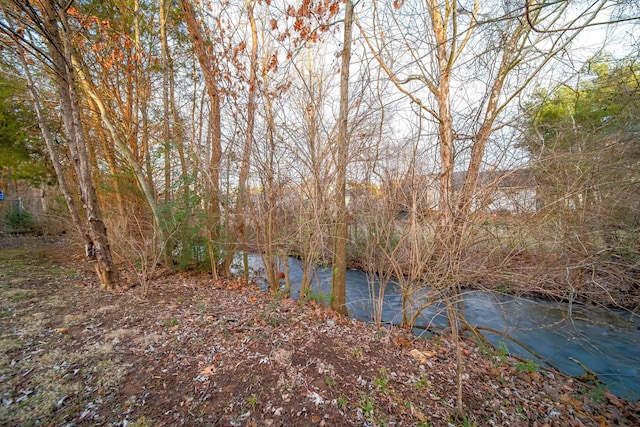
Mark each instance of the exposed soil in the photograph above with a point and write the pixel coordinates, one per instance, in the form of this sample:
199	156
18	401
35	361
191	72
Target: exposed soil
194	352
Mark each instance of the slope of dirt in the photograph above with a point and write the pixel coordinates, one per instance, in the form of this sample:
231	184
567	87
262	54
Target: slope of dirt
193	352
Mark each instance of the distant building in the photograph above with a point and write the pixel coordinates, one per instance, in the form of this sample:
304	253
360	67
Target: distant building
508	191
511	191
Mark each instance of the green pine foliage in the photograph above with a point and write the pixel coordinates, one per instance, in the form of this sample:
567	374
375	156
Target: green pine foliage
183	221
585	140
22	152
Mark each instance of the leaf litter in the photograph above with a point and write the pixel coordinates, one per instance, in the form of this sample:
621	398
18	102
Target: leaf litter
195	352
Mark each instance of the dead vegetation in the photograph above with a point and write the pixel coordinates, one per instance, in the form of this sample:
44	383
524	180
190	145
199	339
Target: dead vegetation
195	352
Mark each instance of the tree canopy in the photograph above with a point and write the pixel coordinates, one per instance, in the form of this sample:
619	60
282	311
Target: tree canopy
585	140
603	104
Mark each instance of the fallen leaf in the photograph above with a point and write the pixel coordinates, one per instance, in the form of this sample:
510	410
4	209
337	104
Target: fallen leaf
402	342
614	400
534	376
209	370
420	356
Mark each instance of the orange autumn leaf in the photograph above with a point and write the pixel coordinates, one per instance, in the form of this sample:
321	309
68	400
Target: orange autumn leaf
209	370
273	63
402	342
333	9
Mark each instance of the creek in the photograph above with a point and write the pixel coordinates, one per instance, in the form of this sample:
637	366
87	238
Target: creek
605	341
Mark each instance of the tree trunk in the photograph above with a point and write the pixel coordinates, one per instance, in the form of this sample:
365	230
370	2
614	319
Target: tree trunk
122	146
57	33
241	202
269	188
446	205
447	208
209	72
166	129
143	99
339	277
51	149
110	158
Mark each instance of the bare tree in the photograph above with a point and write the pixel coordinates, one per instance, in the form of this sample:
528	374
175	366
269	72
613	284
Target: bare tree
338	284
470	62
241	202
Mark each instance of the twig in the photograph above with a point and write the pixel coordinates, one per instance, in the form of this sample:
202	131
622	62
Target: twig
589	376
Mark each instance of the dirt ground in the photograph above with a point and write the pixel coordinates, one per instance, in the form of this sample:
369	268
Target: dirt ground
194	352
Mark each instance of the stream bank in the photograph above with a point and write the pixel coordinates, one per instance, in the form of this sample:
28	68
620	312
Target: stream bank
605	341
197	352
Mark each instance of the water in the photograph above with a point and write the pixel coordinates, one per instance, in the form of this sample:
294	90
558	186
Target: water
606	341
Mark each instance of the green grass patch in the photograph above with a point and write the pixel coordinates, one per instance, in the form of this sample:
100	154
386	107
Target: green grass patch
528	366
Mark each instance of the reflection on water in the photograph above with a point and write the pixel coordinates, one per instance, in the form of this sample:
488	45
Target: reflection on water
605	341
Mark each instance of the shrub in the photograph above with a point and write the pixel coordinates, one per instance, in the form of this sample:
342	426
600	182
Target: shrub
18	219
